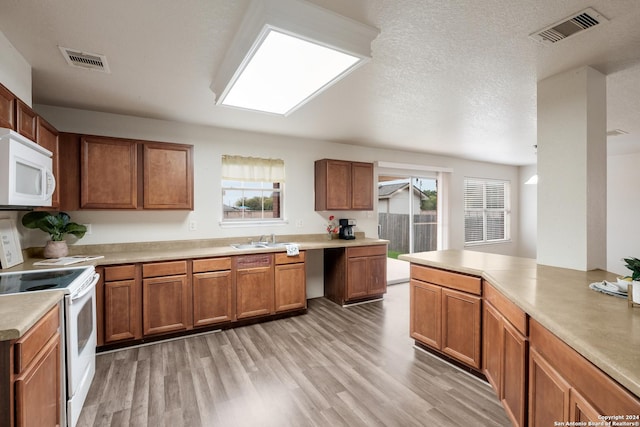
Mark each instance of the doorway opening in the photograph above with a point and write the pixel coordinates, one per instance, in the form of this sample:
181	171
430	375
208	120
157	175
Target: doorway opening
407	218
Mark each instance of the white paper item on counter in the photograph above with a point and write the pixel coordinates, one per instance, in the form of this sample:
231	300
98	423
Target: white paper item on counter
292	249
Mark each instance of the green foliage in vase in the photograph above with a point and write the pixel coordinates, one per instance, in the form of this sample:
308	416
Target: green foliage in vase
57	226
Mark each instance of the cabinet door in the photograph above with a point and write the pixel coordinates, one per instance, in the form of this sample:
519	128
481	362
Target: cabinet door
108	173
254	292
25	120
426	313
493	340
548	393
168	176
7	108
362	186
332	185
461	314
37	389
290	287
121	311
47	136
212	298
165	304
357	279
377	274
514	374
581	410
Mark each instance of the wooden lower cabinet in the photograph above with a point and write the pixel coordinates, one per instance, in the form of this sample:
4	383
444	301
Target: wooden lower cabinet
37	389
426	313
135	301
444	316
254	276
122	304
505	353
355	274
213	296
461	326
566	387
166	298
290	282
31	384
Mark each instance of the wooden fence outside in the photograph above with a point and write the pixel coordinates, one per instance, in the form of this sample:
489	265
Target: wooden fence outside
395	228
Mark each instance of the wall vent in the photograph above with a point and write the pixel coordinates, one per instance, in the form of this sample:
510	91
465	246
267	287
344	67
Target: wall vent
88	61
570	26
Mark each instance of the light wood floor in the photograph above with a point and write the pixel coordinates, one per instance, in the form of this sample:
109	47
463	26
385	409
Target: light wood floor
333	366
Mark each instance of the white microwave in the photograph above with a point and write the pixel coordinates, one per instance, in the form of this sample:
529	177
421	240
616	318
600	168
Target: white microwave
25	172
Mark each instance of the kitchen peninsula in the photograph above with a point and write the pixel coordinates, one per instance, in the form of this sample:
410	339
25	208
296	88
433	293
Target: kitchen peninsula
569	331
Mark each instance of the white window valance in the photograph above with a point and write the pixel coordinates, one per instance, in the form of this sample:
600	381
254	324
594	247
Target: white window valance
239	168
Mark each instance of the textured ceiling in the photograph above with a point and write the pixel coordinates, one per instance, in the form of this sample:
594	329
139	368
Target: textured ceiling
456	78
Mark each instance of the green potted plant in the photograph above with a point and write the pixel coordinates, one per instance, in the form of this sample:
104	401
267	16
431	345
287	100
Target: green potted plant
633	264
57	226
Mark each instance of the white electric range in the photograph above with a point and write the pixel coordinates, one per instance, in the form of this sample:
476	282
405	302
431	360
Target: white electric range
78	330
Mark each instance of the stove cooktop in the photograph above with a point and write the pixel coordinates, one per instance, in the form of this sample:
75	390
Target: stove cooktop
39	280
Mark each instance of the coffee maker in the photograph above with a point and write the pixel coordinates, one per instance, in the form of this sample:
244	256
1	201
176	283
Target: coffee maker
346	229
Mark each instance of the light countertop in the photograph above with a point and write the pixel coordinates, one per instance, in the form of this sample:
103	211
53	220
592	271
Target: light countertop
602	328
18	312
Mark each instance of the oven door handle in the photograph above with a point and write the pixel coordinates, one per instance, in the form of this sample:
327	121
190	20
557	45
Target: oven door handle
85	289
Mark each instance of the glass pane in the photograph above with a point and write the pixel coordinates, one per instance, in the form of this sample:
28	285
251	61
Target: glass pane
495	195
84	325
495	225
473	194
473	227
27	179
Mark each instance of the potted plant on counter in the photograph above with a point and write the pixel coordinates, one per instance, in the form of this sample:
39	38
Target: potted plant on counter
633	264
57	226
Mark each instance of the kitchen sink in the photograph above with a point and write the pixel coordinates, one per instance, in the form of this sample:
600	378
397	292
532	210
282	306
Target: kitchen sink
259	245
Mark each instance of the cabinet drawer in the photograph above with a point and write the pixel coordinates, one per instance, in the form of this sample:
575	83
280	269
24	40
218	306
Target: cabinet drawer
120	272
250	261
366	251
164	269
283	258
448	279
509	310
211	264
28	347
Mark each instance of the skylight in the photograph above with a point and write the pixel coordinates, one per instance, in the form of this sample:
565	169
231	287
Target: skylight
284	72
286	52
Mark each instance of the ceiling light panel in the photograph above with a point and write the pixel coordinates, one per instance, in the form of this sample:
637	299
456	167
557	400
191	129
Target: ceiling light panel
286	52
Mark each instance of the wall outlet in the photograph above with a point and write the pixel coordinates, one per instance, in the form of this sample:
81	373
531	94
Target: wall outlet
299	223
88	229
193	225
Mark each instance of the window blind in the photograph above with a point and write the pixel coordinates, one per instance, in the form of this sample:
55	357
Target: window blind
486	209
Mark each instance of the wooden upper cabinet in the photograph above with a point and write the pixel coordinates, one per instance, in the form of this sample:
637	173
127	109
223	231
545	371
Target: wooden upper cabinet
47	136
343	185
108	173
7	108
25	120
168	176
129	174
362	186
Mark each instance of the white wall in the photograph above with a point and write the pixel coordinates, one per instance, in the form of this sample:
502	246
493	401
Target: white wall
15	71
572	170
298	153
623	210
528	216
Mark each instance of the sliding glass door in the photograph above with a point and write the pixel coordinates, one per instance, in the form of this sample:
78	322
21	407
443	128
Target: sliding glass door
408	213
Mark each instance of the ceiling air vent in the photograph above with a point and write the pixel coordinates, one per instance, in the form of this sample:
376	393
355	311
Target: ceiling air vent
88	61
570	26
